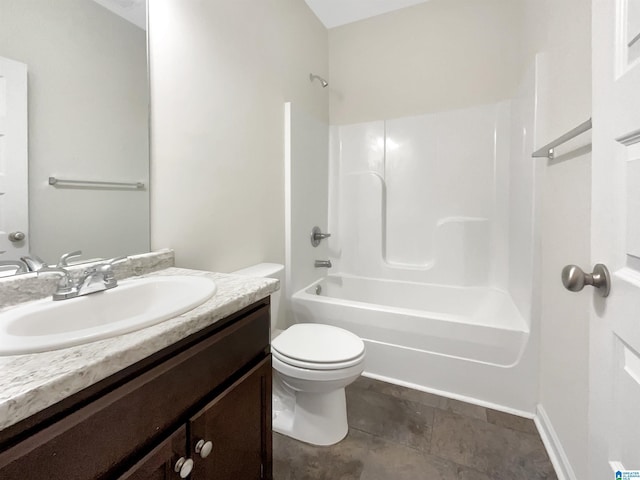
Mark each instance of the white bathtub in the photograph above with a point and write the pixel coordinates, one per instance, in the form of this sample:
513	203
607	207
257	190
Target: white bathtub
461	341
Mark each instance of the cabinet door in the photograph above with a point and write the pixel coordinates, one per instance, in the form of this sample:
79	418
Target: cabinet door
238	423
160	463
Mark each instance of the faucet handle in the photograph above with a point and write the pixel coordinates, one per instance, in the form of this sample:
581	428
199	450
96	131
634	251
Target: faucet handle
63	259
66	288
317	235
115	260
20	265
106	270
104	267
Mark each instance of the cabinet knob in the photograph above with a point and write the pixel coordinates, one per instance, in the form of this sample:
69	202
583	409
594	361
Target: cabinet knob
204	448
183	467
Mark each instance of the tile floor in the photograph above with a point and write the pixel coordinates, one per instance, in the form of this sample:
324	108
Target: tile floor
396	433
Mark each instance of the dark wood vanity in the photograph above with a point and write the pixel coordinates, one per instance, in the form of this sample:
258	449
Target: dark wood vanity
159	415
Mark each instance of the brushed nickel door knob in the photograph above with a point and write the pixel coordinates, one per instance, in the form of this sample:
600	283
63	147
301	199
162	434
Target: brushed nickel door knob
574	279
15	237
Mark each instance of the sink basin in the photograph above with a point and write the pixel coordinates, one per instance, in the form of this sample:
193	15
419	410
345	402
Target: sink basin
134	304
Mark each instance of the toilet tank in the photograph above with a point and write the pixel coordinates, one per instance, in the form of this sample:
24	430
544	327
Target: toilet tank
268	270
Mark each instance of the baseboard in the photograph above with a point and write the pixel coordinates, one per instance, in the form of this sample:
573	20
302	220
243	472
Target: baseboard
554	448
454	396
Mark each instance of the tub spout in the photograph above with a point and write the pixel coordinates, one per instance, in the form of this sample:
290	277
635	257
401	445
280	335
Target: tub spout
323	264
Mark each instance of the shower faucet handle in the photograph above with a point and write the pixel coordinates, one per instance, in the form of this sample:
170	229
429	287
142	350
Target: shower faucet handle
317	235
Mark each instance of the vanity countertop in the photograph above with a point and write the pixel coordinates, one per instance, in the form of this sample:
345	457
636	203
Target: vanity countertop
31	383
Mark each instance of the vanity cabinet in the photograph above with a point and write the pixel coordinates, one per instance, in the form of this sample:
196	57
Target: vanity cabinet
212	389
233	426
227	437
160	463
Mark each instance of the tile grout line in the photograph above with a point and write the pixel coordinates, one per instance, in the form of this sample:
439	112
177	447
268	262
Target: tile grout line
388	440
433	427
366	450
447	409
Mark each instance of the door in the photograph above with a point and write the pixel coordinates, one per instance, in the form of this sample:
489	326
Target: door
614	403
168	461
14	219
231	436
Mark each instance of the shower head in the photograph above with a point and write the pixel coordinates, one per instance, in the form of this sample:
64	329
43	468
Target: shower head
323	82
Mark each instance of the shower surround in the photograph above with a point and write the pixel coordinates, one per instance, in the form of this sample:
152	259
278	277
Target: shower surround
416	199
431	250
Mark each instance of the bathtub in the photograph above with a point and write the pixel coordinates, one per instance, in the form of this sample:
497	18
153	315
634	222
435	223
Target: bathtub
463	342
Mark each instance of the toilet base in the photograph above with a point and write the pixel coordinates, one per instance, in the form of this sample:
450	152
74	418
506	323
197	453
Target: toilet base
315	418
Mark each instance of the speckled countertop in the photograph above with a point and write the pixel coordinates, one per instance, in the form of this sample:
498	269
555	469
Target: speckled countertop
31	383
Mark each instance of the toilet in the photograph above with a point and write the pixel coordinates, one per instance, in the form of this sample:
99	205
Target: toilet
312	365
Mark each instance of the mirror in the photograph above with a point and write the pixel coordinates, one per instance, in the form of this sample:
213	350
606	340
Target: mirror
88	109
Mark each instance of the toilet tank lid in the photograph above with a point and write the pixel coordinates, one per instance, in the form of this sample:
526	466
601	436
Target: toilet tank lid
262	270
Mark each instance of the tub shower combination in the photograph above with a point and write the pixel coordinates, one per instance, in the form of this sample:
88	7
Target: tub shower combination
462	342
474	323
429	257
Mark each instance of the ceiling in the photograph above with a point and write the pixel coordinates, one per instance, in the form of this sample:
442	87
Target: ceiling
333	13
134	11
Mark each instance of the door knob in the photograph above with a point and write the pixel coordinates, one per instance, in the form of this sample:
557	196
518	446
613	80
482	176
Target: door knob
16	237
574	279
204	448
183	467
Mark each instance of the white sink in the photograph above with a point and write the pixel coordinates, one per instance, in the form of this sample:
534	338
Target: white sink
134	304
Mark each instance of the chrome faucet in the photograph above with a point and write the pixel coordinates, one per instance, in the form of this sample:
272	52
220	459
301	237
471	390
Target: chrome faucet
33	262
322	264
98	278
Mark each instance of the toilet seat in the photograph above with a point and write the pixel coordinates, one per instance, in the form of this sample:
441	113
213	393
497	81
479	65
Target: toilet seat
314	376
315	346
316	366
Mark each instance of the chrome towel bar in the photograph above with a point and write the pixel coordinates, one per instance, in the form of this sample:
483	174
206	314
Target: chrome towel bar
94	183
547	150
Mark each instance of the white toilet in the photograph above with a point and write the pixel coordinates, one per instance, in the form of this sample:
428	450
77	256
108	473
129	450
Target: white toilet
312	365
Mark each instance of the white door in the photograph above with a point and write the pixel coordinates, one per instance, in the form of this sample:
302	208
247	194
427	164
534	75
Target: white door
14	202
614	409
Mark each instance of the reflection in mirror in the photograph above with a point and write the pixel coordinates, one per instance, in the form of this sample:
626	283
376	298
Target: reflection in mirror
79	73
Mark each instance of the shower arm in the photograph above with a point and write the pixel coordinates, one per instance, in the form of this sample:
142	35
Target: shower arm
323	82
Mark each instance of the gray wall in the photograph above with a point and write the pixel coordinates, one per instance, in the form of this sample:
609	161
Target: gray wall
435	56
88	111
221	72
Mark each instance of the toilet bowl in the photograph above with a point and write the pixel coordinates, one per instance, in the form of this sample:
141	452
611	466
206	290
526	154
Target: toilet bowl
312	363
